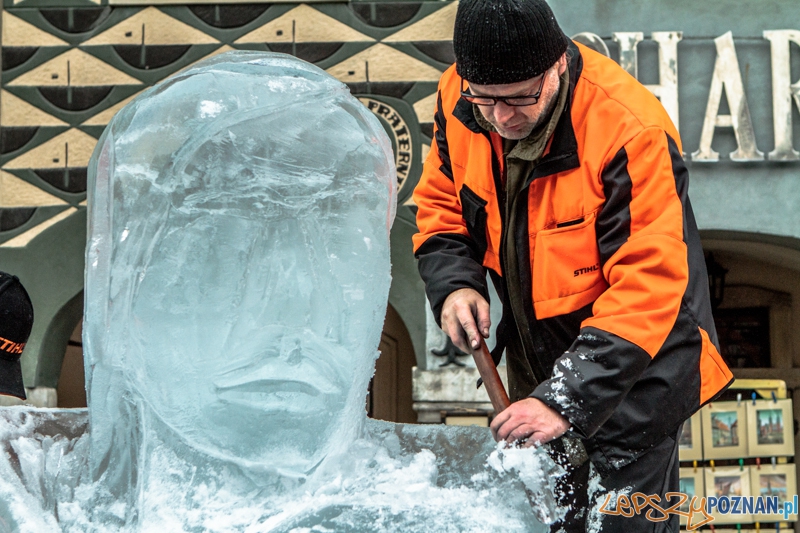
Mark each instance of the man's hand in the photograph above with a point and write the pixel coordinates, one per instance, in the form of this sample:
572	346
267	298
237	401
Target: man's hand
529	418
465	318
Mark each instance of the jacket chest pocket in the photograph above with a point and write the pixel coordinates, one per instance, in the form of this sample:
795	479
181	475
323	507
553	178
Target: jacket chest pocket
473	211
566	267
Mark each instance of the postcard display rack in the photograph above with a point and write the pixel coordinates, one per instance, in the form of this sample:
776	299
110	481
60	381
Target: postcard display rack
742	448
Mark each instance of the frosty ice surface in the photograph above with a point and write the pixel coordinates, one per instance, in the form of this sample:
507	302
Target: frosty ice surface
239	262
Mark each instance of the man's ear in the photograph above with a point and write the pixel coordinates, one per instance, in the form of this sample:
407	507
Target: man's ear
562	64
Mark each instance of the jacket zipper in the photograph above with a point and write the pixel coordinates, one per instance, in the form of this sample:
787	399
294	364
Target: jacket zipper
531	342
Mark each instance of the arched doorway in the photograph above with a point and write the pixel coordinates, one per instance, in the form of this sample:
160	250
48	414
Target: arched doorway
756	317
389	395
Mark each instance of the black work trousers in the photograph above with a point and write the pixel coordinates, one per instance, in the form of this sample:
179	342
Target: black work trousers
585	491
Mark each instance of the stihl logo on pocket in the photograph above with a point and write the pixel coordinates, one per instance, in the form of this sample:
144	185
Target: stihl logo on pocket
586	270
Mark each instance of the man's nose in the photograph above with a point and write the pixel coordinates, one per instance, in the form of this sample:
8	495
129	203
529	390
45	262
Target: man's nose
503	112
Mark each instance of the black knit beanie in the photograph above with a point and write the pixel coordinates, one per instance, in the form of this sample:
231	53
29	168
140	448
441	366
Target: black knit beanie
506	41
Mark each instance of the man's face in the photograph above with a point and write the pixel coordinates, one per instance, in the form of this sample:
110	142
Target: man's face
517	122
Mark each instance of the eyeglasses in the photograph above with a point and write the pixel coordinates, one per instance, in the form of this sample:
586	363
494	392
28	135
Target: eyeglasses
514	101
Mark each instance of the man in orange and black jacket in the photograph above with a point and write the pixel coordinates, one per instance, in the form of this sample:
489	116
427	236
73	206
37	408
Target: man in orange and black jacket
562	176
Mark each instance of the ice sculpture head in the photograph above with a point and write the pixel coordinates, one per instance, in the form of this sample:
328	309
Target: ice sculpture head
238	261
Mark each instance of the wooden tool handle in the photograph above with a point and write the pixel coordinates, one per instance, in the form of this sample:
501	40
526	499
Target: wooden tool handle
491	379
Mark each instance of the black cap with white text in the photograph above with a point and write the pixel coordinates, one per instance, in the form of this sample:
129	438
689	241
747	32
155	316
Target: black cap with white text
16	322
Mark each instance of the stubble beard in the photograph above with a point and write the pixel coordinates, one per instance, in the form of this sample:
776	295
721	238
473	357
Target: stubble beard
541	119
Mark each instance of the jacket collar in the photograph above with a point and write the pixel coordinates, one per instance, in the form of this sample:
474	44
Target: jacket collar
464	113
563	154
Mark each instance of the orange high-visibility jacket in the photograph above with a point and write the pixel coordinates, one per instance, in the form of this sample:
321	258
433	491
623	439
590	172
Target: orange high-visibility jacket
612	271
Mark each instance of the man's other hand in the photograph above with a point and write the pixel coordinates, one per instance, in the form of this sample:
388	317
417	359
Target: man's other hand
529	419
465	318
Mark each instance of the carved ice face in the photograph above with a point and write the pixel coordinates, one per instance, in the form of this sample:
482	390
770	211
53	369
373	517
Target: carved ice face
255	337
238	266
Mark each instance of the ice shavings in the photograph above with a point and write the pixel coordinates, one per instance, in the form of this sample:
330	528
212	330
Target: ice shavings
394	478
588	356
590	337
42	462
570	366
209	109
598	497
403	492
538	473
586	343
